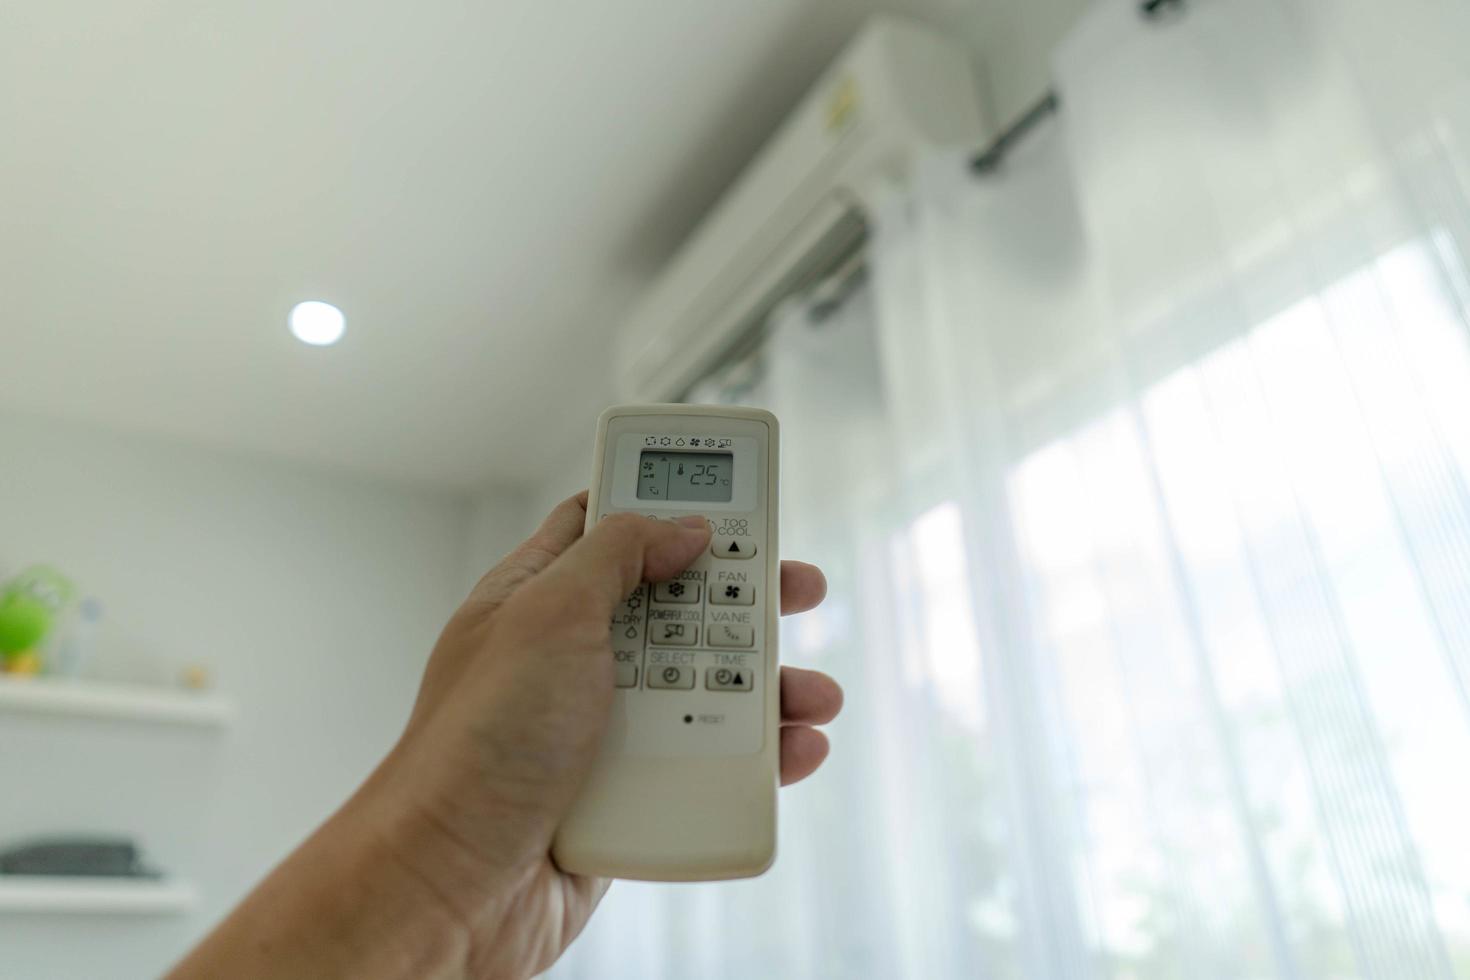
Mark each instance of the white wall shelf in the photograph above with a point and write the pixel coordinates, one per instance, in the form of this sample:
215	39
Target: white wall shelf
94	896
121	702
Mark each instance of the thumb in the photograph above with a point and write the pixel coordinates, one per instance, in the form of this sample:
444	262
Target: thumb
607	563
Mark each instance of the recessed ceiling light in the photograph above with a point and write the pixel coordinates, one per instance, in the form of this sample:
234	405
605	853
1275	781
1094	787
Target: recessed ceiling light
317	323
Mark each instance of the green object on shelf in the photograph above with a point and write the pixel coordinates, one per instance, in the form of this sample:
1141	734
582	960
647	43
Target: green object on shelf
30	605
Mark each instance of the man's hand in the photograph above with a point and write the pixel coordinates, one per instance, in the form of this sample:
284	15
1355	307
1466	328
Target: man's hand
440	863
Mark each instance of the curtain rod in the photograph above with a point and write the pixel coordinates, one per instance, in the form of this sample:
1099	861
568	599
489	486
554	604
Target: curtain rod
988	159
991	157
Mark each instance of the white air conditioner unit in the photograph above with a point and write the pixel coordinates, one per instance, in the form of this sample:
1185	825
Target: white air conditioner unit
898	91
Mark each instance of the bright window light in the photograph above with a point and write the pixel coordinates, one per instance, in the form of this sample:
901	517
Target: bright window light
317	323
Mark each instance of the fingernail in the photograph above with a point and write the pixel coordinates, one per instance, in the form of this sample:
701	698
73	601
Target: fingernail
692	521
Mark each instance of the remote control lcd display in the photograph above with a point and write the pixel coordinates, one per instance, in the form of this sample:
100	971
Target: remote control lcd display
685	476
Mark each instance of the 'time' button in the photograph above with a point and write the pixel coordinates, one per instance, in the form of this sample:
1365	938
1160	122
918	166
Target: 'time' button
725	547
729	678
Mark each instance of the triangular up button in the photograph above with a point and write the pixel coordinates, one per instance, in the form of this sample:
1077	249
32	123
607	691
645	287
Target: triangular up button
724	547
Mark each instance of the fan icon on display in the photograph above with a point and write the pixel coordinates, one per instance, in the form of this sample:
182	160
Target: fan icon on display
676	589
732	592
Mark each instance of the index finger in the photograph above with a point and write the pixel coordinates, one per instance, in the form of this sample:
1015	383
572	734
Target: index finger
556	534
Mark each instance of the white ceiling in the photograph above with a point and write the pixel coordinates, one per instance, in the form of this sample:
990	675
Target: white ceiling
481	186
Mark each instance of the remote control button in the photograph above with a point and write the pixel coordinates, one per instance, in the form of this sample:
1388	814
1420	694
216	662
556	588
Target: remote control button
724	547
731	635
729	679
627	675
627	617
676	591
734	594
671	678
667	634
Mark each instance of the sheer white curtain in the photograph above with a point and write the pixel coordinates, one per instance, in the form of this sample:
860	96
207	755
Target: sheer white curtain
1140	470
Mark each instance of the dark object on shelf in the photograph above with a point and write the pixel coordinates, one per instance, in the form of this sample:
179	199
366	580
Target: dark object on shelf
90	857
1154	9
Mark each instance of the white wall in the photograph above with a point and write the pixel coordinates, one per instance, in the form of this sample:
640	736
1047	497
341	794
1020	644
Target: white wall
495	522
572	474
313	597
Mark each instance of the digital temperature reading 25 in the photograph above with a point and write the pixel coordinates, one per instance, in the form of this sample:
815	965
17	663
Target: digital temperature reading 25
685	476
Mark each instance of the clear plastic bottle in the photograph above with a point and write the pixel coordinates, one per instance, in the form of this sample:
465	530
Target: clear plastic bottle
77	644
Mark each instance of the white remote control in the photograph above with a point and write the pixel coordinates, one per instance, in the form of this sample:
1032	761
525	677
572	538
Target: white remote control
685	786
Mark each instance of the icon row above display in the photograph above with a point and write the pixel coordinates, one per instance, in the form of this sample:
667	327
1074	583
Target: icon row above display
693	442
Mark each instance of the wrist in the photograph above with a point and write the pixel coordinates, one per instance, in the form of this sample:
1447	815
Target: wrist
394	910
420	826
341	905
